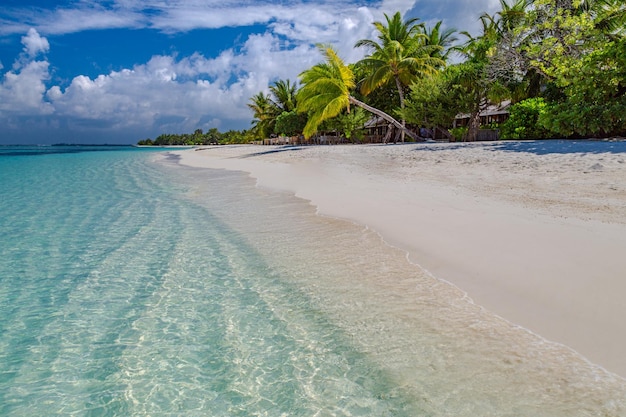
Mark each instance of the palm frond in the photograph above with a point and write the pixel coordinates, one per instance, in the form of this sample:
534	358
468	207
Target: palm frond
325	89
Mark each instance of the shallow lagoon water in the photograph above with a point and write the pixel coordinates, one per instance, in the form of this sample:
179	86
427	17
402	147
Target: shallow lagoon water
131	286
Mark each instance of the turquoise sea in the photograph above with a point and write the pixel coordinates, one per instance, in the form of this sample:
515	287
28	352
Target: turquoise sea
132	286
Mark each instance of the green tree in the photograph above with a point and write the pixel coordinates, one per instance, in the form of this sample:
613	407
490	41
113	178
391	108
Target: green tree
349	124
583	55
434	101
267	108
213	136
595	94
237	136
263	119
400	56
501	44
443	40
523	121
290	123
610	17
471	78
283	96
325	93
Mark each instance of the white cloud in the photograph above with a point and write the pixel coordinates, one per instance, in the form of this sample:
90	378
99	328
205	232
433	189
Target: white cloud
164	94
402	6
463	15
22	89
34	43
184	94
177	94
21	92
185	15
352	29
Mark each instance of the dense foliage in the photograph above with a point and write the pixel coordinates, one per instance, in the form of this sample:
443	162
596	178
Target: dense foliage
562	63
212	137
523	122
290	123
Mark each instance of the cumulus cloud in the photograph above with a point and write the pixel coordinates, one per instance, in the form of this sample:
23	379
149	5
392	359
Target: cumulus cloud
21	92
183	94
176	94
166	93
34	43
463	15
22	89
185	15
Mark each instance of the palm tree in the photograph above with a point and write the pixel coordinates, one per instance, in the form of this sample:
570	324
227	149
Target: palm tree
472	75
479	47
325	92
401	55
609	16
283	95
512	15
262	120
267	108
443	39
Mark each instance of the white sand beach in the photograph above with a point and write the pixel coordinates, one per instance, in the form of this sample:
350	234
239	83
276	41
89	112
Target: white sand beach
532	231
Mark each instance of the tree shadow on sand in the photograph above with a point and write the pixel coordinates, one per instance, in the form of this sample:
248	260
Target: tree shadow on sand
287	148
539	147
545	147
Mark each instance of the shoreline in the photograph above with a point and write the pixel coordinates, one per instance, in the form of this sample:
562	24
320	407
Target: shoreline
523	234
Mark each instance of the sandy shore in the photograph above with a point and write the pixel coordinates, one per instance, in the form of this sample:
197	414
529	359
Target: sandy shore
534	232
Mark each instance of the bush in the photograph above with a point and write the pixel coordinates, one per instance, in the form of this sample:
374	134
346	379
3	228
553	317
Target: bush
290	123
524	120
586	120
458	133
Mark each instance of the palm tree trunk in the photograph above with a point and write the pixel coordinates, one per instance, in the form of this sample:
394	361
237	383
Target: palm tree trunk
384	116
401	94
474	127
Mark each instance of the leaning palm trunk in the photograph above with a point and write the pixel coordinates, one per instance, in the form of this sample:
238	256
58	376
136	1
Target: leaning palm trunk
384	116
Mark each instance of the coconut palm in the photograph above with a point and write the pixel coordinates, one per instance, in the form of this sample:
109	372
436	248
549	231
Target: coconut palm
400	56
610	16
262	122
325	92
443	39
267	107
283	95
479	47
512	15
472	75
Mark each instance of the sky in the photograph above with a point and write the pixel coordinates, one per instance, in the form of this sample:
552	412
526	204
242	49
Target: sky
117	71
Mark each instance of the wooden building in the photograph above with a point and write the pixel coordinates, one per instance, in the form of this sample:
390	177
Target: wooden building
493	114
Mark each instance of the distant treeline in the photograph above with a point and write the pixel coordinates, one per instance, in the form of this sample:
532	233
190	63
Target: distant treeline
212	137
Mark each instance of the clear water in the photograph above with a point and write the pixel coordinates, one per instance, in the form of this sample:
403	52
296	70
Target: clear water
131	286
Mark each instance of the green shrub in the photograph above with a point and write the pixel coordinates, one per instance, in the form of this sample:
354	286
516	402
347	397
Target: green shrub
458	133
524	120
290	123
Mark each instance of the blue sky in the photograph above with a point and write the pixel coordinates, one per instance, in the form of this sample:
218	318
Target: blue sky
116	71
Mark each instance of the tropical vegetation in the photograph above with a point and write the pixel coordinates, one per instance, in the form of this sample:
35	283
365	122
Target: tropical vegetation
212	137
560	63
